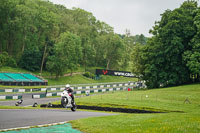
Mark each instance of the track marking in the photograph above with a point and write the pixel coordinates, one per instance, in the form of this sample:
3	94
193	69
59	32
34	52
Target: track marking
27	127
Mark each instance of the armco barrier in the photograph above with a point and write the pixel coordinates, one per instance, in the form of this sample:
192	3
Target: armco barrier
78	89
15	90
11	97
80	92
75	87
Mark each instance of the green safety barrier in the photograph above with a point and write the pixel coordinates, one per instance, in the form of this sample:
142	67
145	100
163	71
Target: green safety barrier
2	90
75	88
11	97
79	92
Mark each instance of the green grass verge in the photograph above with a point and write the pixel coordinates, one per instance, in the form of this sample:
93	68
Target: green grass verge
9	99
20	87
10	69
18	107
165	99
80	79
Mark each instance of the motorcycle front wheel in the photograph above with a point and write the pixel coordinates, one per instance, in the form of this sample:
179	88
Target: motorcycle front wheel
64	102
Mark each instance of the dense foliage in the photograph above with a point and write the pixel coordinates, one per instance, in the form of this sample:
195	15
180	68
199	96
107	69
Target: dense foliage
172	55
39	35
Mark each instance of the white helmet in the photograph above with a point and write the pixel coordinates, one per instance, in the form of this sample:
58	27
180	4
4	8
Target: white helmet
67	85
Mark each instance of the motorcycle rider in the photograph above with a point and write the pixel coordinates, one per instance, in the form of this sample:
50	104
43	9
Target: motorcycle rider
70	90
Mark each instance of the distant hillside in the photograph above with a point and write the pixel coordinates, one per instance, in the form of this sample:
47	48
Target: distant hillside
59	39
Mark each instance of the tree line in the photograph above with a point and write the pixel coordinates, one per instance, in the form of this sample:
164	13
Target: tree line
172	55
38	35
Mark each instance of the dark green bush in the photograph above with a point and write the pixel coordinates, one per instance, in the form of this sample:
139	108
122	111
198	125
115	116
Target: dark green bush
6	60
31	59
11	62
89	75
86	74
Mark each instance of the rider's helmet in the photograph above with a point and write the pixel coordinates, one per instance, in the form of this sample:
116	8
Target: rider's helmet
67	86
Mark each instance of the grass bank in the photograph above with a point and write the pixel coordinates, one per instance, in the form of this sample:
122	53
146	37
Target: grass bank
74	79
80	79
173	98
17	107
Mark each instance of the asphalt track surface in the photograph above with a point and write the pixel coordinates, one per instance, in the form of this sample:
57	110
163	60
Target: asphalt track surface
16	118
29	101
31	117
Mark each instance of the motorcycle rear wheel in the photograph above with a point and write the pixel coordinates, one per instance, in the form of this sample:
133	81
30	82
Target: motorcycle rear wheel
74	107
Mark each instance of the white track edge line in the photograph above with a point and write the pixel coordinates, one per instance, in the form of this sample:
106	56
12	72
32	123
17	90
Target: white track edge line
27	127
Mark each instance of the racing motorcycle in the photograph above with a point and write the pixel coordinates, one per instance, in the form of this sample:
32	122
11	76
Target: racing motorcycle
66	101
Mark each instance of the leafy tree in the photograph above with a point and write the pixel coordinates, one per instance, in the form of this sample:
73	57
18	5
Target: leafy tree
20	37
129	44
192	55
140	39
6	60
31	58
162	59
56	65
101	43
8	29
67	54
113	51
86	29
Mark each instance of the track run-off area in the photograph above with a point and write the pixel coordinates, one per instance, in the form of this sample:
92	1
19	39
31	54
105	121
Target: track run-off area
19	118
16	118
